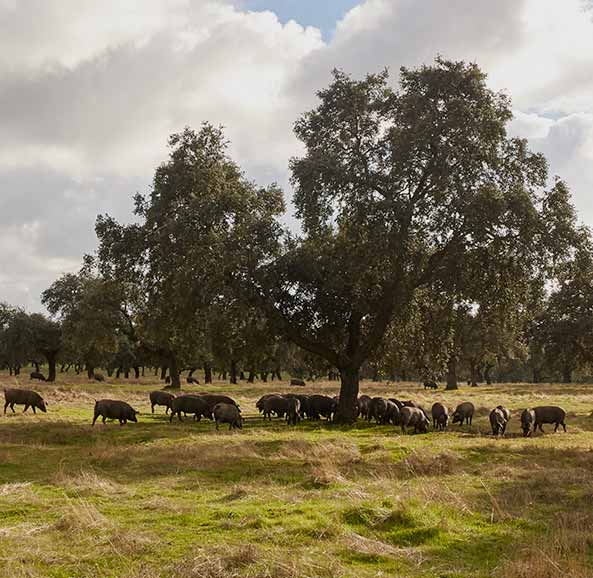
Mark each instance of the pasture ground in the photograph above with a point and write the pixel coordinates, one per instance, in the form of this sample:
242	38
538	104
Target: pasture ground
182	500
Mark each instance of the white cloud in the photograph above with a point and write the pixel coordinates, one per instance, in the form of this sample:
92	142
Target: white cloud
91	89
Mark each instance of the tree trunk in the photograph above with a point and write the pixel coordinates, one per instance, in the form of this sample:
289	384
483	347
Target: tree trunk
174	373
233	377
452	373
242	376
207	373
127	373
90	371
36	364
567	375
51	366
264	376
279	374
251	377
156	371
137	372
163	372
346	412
474	375
191	371
487	376
117	373
537	375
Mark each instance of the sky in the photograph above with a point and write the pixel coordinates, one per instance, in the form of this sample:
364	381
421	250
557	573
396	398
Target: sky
91	89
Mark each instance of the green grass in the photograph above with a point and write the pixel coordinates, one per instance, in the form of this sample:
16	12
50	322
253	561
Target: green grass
160	499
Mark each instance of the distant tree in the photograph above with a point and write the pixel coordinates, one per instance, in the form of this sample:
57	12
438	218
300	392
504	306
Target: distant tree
89	310
201	222
47	342
398	191
563	333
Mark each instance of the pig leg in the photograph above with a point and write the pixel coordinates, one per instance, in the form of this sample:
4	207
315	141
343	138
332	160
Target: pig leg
33	408
26	408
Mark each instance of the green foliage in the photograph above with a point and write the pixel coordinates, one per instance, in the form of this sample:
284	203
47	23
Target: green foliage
400	191
201	223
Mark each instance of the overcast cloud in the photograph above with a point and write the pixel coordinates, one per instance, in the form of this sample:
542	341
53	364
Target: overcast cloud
90	90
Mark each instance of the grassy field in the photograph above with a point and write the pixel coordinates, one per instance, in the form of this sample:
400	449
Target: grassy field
156	499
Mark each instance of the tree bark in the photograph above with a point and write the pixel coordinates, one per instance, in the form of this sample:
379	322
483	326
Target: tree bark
90	371
207	373
537	375
452	373
567	375
163	372
487	376
251	377
264	376
137	371
474	375
346	412
233	376
51	366
174	373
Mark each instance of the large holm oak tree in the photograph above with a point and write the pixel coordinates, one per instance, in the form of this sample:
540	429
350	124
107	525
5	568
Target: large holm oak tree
398	190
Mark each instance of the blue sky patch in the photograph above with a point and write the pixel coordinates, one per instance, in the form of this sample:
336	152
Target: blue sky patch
323	14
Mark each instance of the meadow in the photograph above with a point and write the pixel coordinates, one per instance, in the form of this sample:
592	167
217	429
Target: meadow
172	500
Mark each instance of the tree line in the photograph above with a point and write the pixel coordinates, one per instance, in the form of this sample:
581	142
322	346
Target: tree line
430	244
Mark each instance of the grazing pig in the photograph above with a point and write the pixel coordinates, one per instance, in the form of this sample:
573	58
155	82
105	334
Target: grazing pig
430	384
296	381
192	404
114	409
498	421
392	413
322	405
540	415
464	413
507	416
37	375
304	410
260	402
397	402
24	397
274	404
228	413
161	398
213	398
377	409
98	377
440	416
413	416
363	405
505	412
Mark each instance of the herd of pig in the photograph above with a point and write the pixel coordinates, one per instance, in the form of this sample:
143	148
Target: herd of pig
295	407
